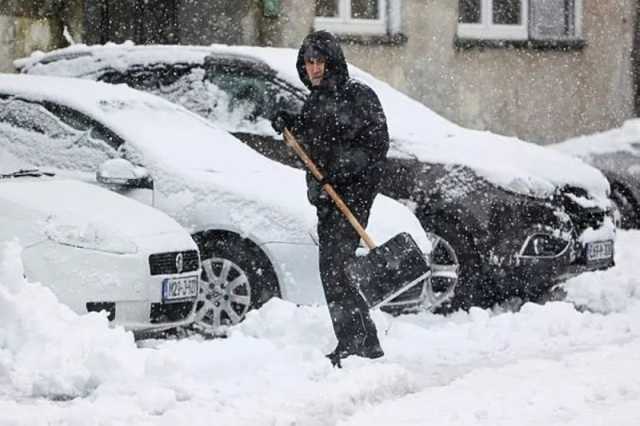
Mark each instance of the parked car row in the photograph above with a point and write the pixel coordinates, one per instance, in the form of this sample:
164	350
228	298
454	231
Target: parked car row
520	217
252	230
230	226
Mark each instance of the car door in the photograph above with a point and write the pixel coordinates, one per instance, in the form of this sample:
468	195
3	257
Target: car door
53	136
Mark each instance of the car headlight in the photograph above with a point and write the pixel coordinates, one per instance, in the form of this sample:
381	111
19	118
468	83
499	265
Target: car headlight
89	237
544	245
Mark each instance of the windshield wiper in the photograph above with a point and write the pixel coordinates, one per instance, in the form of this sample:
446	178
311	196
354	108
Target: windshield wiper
26	173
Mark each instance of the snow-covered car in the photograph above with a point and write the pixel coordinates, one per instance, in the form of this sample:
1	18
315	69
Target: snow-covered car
616	153
249	215
99	251
520	217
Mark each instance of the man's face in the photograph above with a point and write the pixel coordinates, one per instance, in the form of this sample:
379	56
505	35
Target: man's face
315	70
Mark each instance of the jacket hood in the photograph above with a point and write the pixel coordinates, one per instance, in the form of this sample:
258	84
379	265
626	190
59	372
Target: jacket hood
336	71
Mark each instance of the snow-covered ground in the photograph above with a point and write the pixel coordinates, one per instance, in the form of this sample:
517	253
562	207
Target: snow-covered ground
543	365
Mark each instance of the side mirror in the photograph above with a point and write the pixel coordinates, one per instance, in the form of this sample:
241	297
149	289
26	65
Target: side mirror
121	172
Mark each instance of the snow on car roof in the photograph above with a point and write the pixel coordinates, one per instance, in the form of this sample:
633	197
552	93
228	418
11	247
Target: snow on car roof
621	139
88	59
416	130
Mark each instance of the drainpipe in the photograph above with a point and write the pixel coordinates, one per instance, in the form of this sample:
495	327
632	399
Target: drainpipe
635	61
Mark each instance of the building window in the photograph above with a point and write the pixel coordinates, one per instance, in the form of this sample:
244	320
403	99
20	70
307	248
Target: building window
544	20
375	17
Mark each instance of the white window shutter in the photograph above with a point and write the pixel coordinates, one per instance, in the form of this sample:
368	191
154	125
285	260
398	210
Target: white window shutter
552	19
394	16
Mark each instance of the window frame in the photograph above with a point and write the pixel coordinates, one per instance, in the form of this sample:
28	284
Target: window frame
487	30
246	69
37	106
62	111
345	24
469	35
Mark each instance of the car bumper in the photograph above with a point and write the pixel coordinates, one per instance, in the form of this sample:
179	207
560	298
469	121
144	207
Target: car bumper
532	276
89	280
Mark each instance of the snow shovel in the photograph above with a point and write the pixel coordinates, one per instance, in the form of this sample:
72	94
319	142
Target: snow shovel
387	270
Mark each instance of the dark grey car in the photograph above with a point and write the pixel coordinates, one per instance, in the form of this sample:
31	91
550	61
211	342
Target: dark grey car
514	235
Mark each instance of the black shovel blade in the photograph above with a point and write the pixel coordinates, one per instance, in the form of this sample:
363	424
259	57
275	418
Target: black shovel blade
388	270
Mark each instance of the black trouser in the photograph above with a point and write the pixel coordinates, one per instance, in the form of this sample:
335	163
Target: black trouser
338	243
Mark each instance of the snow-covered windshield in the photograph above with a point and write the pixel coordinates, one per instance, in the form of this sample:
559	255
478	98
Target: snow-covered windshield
11	165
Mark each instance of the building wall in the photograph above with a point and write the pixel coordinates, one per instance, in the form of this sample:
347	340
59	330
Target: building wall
19	36
538	95
30	25
206	22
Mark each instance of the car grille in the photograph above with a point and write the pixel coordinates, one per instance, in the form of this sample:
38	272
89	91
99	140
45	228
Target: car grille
170	312
167	263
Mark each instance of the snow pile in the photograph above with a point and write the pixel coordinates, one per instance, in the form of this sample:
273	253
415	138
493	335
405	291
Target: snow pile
614	290
48	350
545	364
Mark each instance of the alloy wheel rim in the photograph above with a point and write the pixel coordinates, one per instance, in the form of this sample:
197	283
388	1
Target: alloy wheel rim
225	294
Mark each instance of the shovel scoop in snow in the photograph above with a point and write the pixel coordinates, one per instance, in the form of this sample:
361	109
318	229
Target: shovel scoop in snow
387	270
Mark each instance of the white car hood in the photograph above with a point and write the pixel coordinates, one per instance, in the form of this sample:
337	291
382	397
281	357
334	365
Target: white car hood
82	210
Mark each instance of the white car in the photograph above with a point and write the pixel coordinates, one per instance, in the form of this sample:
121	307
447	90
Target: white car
249	215
99	251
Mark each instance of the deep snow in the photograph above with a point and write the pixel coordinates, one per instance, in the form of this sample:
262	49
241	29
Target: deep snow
545	364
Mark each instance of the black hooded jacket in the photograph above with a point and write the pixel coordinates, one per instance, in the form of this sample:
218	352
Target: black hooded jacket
342	124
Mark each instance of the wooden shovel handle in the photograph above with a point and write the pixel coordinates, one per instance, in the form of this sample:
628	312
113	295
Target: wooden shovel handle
291	141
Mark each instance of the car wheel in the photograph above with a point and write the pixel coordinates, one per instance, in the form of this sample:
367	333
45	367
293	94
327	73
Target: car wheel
626	207
236	277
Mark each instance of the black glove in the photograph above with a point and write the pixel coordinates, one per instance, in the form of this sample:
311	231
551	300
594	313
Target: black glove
315	194
282	120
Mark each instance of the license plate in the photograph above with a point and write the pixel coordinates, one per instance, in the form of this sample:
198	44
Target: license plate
179	289
600	250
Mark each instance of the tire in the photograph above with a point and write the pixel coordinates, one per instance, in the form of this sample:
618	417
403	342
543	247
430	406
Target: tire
626	206
236	278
